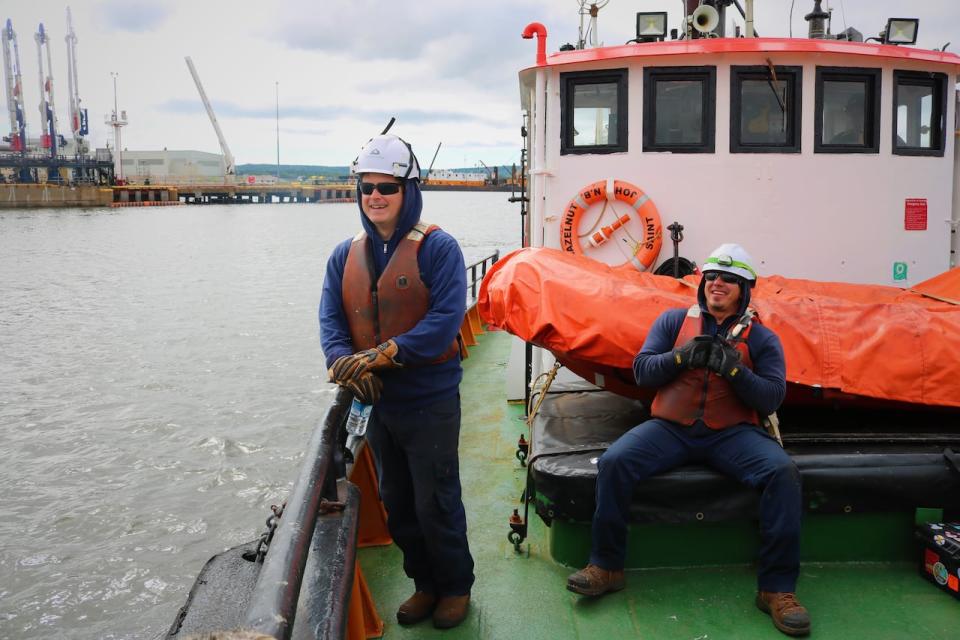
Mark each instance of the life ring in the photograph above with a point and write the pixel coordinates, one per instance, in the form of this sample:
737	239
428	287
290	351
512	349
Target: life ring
645	251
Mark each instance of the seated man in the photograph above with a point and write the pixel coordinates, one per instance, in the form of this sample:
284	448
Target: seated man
717	371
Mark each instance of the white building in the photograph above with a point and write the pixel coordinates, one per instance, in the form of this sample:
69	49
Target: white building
179	167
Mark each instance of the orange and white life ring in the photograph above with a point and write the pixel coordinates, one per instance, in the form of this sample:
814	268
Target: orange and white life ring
646	249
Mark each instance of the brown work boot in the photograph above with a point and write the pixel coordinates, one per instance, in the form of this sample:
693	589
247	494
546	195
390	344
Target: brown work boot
594	581
451	611
416	608
788	614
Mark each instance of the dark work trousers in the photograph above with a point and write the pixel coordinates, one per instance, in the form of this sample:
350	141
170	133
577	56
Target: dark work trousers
419	473
744	452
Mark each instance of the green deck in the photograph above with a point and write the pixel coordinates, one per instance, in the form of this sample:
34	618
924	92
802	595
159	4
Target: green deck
524	595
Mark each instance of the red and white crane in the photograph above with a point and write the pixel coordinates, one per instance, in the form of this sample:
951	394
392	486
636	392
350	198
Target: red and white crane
11	74
78	116
48	113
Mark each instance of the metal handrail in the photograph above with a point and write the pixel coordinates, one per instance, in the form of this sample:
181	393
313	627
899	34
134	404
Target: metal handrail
472	281
273	603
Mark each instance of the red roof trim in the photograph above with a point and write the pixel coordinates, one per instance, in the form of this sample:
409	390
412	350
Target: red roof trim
751	45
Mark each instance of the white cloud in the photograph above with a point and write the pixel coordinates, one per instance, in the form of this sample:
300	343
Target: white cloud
448	71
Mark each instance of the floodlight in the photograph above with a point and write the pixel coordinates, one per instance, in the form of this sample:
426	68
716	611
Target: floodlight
651	26
901	31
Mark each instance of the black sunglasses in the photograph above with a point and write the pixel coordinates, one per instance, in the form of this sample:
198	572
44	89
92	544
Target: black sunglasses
385	188
729	278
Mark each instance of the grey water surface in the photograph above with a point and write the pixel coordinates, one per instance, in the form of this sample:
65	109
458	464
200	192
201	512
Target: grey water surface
160	374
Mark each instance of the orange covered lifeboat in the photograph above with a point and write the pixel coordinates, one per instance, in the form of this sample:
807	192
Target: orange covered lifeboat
844	343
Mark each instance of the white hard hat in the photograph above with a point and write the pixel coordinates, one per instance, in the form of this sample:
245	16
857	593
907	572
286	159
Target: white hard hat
731	258
389	155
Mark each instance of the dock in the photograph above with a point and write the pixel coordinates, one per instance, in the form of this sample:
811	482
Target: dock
51	195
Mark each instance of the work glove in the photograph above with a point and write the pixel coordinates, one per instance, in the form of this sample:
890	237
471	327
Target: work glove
341	370
724	360
694	354
365	387
383	357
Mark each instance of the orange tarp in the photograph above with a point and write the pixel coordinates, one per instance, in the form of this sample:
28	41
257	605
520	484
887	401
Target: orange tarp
866	340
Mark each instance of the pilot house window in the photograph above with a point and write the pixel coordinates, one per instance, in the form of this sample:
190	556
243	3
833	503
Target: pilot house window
679	109
594	112
765	109
920	107
847	118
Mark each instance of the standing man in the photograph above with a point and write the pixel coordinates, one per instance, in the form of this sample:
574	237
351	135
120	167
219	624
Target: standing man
392	305
717	371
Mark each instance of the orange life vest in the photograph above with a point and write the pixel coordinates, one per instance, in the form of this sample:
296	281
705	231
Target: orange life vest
700	394
398	300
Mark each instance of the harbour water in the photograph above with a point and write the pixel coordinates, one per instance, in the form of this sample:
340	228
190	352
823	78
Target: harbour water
160	374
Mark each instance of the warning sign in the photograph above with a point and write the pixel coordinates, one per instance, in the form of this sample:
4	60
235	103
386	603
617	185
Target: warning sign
915	214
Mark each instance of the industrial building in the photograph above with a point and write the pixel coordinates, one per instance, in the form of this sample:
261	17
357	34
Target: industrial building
173	166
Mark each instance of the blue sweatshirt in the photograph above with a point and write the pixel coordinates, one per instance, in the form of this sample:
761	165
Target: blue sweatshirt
442	270
762	388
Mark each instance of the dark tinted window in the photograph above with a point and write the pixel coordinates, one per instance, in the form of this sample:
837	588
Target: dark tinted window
919	103
765	109
594	118
848	110
678	110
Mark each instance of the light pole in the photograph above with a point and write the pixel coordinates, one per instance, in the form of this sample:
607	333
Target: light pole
116	120
277	88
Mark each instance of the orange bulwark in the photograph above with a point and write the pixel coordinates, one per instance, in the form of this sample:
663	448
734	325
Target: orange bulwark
849	342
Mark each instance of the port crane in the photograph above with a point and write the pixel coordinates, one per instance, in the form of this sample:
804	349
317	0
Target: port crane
430	168
78	116
48	113
11	74
227	156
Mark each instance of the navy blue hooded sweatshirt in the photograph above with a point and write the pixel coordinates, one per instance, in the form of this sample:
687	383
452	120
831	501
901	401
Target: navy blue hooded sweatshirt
442	270
762	388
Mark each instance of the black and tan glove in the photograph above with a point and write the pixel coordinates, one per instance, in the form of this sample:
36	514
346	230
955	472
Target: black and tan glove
366	387
694	354
725	360
383	357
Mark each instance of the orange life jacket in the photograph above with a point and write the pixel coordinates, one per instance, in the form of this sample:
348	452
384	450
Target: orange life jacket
398	300
700	394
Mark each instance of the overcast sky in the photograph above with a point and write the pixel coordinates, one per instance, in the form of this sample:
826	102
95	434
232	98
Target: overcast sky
447	70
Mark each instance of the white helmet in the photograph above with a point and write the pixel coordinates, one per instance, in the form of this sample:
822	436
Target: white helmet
389	155
731	258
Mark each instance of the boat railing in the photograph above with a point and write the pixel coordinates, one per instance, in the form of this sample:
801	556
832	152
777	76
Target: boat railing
473	282
273	602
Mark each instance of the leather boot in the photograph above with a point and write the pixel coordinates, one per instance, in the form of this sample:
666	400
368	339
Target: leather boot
595	581
451	611
789	616
416	608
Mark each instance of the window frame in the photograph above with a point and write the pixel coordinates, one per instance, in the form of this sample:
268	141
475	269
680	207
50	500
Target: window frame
936	80
708	76
846	74
795	93
568	81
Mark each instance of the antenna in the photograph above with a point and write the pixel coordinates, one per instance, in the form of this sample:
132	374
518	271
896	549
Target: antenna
589	9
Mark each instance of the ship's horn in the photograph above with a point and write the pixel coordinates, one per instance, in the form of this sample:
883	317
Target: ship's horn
705	18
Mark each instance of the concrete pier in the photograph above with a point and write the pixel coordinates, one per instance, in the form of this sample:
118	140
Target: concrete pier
45	195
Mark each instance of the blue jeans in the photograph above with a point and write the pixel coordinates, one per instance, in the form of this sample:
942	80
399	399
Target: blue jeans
744	452
419	473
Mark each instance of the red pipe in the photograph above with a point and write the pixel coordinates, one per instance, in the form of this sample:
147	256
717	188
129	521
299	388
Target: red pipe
541	33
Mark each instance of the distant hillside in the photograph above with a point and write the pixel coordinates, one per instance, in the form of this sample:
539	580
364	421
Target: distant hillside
294	171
